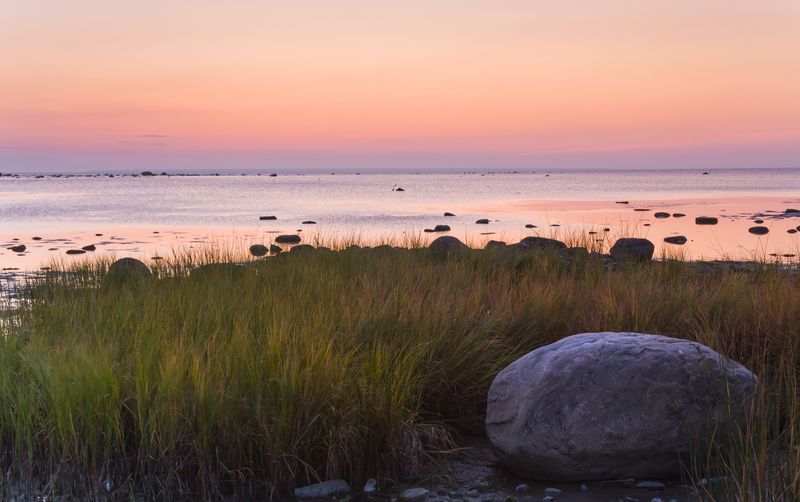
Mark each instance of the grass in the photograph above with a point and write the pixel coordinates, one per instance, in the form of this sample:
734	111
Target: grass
355	364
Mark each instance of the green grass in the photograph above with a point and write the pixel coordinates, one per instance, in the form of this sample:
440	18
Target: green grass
352	364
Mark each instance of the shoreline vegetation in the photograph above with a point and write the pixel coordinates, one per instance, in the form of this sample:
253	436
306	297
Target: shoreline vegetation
229	375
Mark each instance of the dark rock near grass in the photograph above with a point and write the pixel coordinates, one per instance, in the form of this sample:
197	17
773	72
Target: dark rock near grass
259	250
287	239
678	215
661	215
706	220
270	218
309	222
495	245
631	248
447	243
540	243
613	406
19	249
75	251
441	228
275	249
127	269
482	221
676	239
326	489
90	247
302	248
758	230
449	214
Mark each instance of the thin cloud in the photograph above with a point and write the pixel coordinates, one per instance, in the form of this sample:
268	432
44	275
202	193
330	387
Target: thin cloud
152	136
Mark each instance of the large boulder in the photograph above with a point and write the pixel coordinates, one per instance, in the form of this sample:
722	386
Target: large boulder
447	243
127	269
630	248
612	406
287	239
259	250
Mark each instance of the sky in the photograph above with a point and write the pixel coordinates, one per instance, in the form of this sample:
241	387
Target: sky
93	85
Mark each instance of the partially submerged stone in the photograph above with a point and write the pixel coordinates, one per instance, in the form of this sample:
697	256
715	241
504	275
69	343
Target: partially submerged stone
631	248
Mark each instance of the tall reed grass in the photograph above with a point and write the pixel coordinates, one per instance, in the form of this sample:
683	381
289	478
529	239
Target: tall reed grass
358	363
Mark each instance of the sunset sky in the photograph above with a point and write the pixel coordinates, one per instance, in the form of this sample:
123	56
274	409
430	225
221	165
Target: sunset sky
179	85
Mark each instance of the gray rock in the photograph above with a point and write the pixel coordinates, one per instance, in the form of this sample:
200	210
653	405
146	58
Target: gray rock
263	218
530	225
650	485
676	239
552	491
287	239
259	250
523	488
632	249
439	228
325	489
309	222
18	249
447	243
126	269
548	498
611	406
449	214
482	221
541	243
706	220
758	230
661	214
414	495
90	247
371	486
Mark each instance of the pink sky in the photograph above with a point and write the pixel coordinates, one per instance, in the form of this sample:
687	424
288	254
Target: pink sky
97	85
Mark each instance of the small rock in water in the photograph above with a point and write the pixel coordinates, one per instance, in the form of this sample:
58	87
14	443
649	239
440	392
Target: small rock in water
706	220
414	495
791	231
792	210
642	209
18	249
548	498
75	251
758	230
482	221
656	500
371	486
309	222
678	215
661	215
90	247
36	238
622	202
325	489
267	218
759	222
449	214
530	225
98	235
553	491
523	488
650	485
441	228
287	239
675	239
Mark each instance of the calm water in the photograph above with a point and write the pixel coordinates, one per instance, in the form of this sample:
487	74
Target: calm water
128	209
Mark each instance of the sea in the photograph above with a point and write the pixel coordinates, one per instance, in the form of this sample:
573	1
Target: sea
148	216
